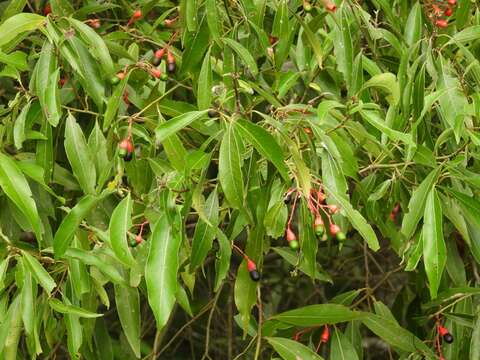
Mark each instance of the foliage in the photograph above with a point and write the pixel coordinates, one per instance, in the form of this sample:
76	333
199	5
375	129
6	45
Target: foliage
158	156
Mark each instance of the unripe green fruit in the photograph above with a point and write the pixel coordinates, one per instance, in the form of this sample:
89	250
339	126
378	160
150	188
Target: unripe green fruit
164	77
293	244
307	7
341	236
122	152
133	243
114	80
319	230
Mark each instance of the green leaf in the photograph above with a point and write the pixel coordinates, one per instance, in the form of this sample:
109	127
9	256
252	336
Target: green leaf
170	127
374	119
39	272
19	127
63	308
230	167
79	156
71	222
93	259
292	350
161	270
222	262
357	220
414	25
469	34
264	143
416	205
120	223
434	248
18	24
244	54
16	187
11	329
475	340
97	46
394	334
313	41
52	106
318	315
205	233
128	309
388	83
204	90
342	348
114	102
213	19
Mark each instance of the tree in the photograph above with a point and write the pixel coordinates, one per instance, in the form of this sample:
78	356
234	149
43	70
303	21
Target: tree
239	179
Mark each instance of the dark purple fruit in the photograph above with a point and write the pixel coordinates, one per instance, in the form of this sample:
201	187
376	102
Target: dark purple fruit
128	156
171	67
255	275
448	338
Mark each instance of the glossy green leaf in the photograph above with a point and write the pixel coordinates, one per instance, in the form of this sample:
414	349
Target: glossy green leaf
120	223
128	309
230	167
18	24
79	157
70	223
16	187
205	233
161	270
434	249
39	272
244	54
292	350
204	90
394	334
170	127
342	349
63	308
317	315
264	143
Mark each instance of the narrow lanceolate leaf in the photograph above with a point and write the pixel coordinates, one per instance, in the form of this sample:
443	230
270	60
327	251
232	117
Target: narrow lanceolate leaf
475	340
222	262
264	143
357	220
70	223
205	233
63	308
375	120
213	19
79	157
342	348
19	127
128	309
434	248
39	272
11	329
317	315
291	349
161	270
394	334
244	54
97	45
230	167
204	89
16	187
19	24
416	205
414	25
52	105
165	129
387	82
120	223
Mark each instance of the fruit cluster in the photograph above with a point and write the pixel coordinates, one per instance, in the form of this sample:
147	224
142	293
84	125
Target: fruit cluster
329	5
319	209
443	334
438	11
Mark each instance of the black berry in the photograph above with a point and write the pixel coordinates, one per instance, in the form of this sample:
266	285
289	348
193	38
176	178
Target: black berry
254	275
448	338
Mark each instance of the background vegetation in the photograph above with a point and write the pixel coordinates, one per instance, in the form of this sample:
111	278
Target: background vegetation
157	156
